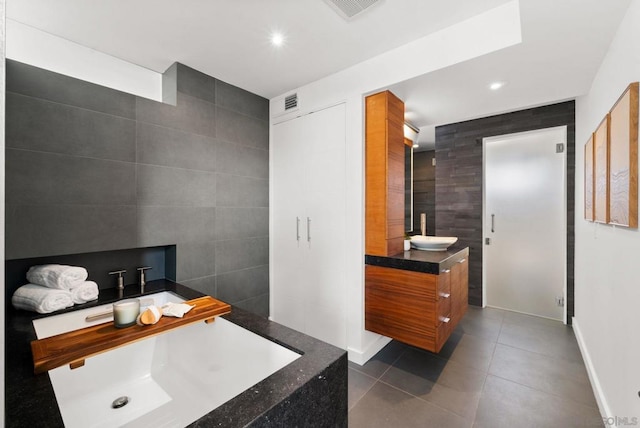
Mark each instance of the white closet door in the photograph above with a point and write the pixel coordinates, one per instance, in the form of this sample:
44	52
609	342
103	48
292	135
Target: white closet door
308	274
325	190
288	237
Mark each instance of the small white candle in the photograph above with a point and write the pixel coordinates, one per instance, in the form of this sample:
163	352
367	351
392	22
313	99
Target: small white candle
125	312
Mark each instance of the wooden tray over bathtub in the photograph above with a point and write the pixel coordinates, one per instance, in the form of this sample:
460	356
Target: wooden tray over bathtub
75	346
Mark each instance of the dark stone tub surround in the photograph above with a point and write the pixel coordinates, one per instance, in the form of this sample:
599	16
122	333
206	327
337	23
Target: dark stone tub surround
459	181
311	391
93	169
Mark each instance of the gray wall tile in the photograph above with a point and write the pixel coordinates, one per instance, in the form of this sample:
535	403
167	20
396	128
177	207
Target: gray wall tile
36	82
233	191
242	160
190	114
65	172
194	83
240	254
233	223
174	225
237	99
238	128
258	305
195	260
38	178
206	285
160	185
36	124
158	145
45	230
233	287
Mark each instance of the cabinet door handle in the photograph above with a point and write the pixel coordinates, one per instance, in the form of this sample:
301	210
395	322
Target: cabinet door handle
446	271
462	261
446	319
445	295
308	229
297	228
493	222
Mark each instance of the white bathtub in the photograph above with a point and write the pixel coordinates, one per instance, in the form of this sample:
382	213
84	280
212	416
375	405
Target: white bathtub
171	380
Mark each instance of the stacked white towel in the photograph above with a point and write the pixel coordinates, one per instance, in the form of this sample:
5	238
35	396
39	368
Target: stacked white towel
61	277
85	292
54	287
32	297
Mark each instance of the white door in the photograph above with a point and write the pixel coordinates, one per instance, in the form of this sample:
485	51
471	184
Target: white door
525	222
287	217
308	225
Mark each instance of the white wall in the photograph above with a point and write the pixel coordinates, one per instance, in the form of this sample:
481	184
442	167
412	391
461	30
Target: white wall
607	277
35	47
493	30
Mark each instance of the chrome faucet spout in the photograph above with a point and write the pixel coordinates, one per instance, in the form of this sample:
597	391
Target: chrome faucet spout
142	278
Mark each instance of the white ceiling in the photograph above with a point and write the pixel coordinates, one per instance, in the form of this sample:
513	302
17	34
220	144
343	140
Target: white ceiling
229	39
564	42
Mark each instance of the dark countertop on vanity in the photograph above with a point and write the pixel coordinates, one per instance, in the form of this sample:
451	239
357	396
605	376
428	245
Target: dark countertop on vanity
421	261
30	399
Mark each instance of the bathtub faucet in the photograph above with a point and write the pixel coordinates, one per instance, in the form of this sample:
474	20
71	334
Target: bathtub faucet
120	281
142	281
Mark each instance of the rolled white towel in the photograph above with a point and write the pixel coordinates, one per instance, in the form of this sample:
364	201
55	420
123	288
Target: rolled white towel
32	297
85	292
61	277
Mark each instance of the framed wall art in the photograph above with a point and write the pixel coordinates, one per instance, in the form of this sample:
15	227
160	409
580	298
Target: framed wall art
601	172
623	159
588	180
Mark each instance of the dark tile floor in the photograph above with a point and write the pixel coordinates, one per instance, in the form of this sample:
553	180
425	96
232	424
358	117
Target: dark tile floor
498	369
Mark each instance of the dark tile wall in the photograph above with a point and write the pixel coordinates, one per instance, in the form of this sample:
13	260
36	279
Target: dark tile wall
424	190
459	181
93	169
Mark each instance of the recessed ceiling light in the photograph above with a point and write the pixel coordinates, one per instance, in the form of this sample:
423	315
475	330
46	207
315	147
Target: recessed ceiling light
277	39
416	145
496	85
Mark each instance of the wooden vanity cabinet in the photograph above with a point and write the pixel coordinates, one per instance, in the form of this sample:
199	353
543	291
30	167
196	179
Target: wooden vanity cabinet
384	182
416	308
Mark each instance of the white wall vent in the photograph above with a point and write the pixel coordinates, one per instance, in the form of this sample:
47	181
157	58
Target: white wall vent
350	8
290	102
284	104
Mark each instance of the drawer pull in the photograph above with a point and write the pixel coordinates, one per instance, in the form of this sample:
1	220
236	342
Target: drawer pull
446	271
445	295
462	261
446	319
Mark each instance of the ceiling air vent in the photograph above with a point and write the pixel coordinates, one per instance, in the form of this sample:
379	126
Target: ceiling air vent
350	8
290	102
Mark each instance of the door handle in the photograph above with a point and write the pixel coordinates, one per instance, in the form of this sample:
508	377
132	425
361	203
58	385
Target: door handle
493	223
308	229
297	228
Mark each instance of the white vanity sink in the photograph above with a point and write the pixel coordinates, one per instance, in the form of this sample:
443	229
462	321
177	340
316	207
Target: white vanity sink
432	243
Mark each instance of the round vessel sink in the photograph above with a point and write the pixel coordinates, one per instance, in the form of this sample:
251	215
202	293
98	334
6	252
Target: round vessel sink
432	243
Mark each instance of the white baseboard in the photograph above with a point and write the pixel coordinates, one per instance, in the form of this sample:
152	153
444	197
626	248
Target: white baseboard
360	357
603	406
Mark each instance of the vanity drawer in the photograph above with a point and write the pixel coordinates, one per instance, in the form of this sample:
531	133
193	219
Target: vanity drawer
444	284
443	310
442	334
